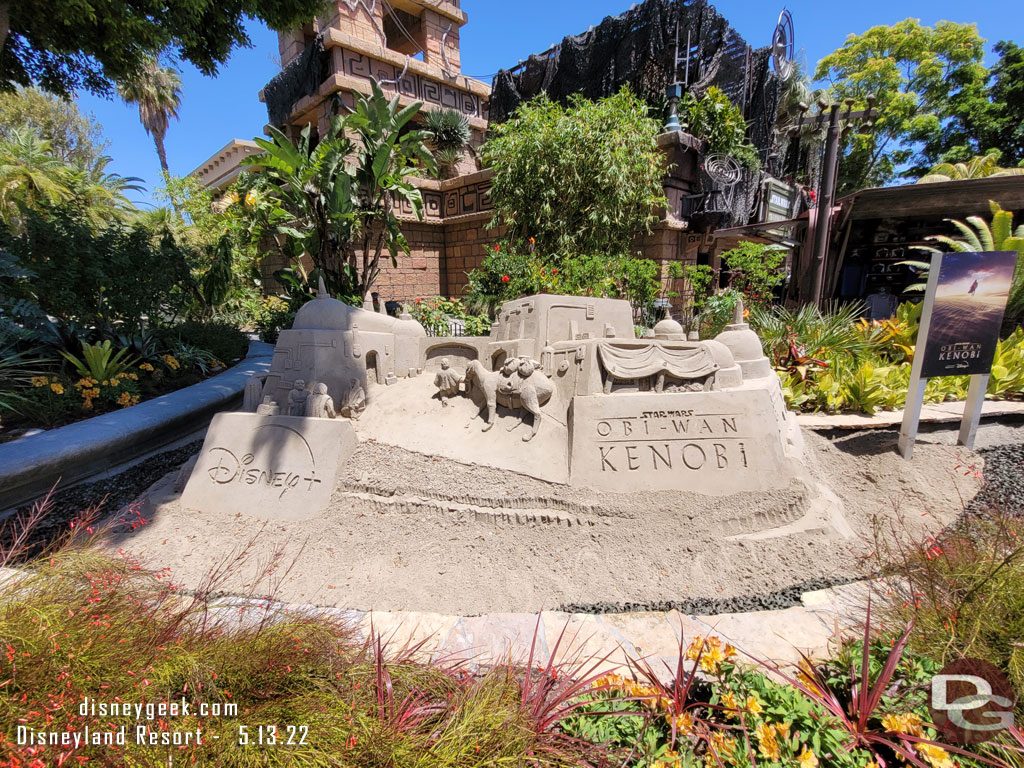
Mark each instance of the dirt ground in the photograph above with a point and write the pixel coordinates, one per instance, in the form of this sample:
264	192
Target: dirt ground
406	531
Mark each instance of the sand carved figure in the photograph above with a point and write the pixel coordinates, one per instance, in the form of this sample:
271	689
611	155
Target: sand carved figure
320	405
355	401
447	382
519	384
252	395
297	398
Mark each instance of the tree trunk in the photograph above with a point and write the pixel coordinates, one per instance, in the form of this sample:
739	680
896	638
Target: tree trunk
5	24
159	141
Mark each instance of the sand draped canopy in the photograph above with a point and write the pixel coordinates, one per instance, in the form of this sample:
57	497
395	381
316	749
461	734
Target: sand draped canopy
632	362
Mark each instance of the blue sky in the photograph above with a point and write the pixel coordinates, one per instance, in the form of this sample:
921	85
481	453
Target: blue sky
498	35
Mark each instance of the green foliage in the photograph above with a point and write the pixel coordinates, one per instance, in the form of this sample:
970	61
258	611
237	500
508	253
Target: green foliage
1002	125
269	316
447	133
341	217
718	312
923	77
114	278
581	179
434	313
754	269
91	45
717	121
100	361
964	593
978	167
827	360
221	340
72	135
506	275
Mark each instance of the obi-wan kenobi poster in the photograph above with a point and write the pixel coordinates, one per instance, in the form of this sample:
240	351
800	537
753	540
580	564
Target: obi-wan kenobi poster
970	300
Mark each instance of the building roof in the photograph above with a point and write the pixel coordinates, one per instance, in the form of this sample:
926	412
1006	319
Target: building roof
952	199
221	168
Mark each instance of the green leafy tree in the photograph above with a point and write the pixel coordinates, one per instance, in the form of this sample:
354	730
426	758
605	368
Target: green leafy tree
64	47
343	217
73	136
101	196
580	179
1003	126
714	119
921	76
157	92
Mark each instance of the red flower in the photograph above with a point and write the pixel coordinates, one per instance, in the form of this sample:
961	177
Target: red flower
554	271
497	247
504	278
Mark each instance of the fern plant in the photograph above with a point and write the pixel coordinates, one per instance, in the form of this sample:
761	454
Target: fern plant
99	361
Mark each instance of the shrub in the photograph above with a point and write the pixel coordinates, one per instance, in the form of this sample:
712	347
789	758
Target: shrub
269	316
434	313
220	339
580	179
964	592
716	120
755	270
112	279
506	275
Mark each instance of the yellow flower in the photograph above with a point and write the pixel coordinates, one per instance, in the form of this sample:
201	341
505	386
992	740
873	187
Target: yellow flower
125	399
105	383
57	388
683	722
782	729
935	755
87	404
729	702
754	705
767	742
132	376
40	381
711	651
804	674
115	382
171	362
145	367
94	392
807	758
908	723
722	745
135	399
250	197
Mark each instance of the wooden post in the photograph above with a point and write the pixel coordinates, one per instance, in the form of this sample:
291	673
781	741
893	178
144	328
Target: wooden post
972	410
915	392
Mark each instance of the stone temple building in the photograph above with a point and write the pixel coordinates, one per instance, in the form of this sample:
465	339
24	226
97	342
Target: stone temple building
412	48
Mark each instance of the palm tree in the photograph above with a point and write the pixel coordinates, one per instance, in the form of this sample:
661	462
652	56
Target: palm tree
981	236
157	91
101	196
31	176
978	167
448	136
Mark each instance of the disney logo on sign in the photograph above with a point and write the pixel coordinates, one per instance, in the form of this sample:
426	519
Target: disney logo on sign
232	469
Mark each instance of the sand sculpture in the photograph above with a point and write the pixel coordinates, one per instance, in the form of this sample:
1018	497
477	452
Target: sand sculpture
608	410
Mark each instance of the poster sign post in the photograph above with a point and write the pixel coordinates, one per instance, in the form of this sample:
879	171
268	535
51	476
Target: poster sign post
963	311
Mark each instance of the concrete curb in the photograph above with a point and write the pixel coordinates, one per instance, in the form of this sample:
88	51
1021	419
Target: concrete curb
938	413
30	466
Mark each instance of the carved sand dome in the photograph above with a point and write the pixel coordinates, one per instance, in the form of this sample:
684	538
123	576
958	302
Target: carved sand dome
669	329
745	346
326	314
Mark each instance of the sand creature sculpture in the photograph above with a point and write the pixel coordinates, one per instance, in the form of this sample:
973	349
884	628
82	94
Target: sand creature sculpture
519	384
447	381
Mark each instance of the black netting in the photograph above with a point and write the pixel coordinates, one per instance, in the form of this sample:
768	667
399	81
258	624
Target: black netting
637	49
301	78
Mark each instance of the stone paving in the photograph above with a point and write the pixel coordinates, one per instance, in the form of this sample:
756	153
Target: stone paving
593	642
